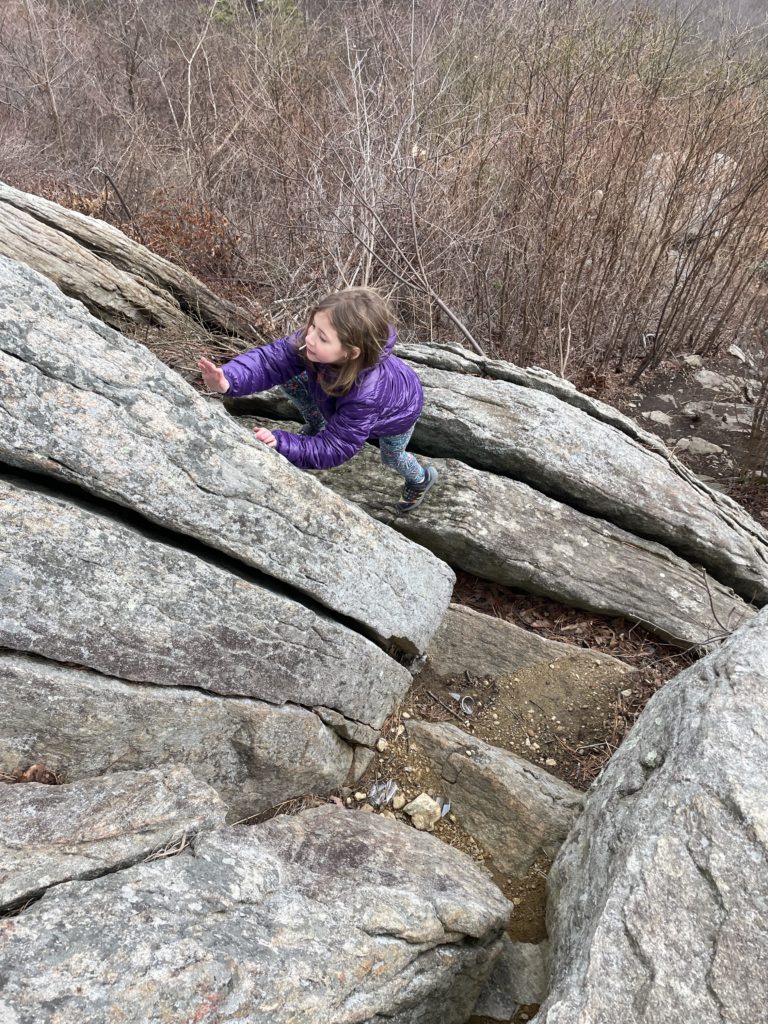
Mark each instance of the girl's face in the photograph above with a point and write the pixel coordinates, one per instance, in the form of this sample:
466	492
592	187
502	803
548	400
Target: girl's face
322	341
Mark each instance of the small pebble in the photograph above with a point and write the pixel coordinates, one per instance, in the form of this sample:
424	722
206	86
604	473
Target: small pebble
551	762
626	693
399	802
361	796
388	814
406	715
366	809
382	744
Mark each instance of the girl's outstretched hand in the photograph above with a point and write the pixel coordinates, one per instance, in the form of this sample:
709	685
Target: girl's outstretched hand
214	377
265	436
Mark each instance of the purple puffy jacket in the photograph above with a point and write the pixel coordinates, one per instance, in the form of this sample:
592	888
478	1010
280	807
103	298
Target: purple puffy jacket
385	400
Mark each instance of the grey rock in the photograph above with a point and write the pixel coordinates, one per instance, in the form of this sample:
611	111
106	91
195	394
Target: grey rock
503	530
83	404
700	446
325	916
84	724
663	419
515	809
656	901
730	416
355	732
80	586
537	428
53	834
589	464
118	279
424	812
518	979
482	645
361	760
666	516
715	381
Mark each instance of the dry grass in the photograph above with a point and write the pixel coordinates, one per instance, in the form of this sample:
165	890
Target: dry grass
576	184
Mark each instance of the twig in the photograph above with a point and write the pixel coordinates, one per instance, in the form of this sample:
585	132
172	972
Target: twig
443	705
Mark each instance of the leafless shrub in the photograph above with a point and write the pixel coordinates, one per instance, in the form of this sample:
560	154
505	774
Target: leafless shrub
497	165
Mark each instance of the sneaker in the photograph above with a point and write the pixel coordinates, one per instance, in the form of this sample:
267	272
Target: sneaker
414	494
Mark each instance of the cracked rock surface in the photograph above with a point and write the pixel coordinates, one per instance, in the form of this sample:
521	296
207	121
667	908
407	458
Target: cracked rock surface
83	724
118	279
515	809
506	531
80	586
82	404
587	463
54	834
325	916
657	905
503	530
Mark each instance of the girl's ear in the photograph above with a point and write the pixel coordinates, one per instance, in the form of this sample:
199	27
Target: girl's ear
353	352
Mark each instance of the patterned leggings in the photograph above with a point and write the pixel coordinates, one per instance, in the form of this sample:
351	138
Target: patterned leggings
391	449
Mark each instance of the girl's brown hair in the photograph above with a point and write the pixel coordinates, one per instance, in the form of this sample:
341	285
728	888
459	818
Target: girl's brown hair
361	318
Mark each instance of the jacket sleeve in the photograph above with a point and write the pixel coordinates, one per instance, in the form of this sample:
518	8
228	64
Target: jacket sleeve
262	368
344	435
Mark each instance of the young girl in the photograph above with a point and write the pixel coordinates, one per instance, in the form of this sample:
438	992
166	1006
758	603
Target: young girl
340	373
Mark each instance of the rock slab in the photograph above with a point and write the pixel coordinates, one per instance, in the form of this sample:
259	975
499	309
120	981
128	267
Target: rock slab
118	279
516	810
518	979
78	585
326	916
469	641
53	834
587	463
83	724
506	531
657	906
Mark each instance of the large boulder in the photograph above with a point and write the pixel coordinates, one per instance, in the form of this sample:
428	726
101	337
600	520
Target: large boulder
83	724
326	916
82	404
54	834
656	901
80	586
565	452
